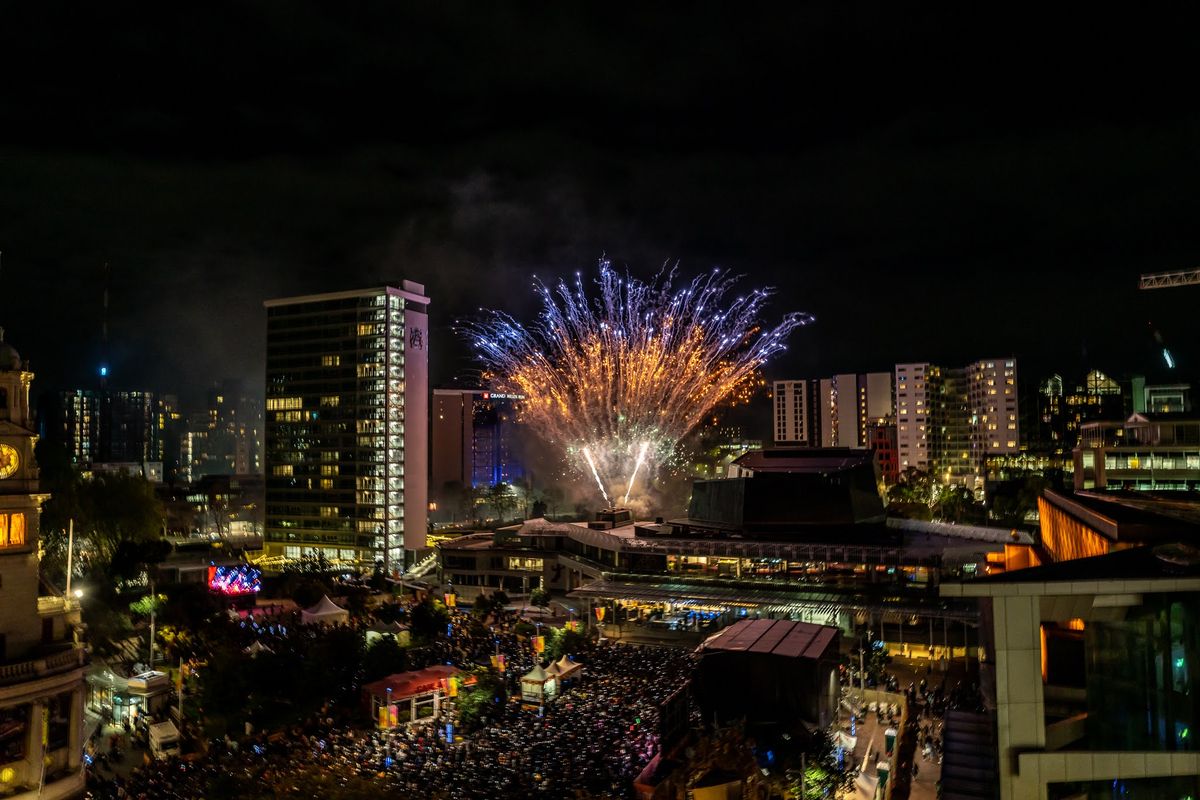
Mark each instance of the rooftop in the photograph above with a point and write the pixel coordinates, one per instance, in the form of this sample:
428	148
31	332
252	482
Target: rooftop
1123	516
804	459
1132	571
1167	561
778	637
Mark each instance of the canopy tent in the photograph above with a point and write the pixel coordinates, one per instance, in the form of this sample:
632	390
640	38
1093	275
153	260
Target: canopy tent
537	686
325	612
257	648
568	668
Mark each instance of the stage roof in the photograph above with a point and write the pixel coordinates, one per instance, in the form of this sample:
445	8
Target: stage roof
775	636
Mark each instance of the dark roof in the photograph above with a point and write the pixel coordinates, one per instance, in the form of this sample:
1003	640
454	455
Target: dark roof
804	459
1163	416
1121	517
1157	561
778	637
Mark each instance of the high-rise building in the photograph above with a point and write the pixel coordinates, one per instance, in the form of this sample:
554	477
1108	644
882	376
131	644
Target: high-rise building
347	425
108	426
476	438
1062	411
794	422
913	404
949	420
128	427
831	412
226	438
41	682
78	429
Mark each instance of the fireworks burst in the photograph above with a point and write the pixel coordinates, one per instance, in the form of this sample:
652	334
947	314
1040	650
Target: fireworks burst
620	378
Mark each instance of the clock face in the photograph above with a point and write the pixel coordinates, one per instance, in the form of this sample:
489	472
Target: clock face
10	459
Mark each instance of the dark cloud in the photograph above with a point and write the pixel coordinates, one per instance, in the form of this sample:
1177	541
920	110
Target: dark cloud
928	187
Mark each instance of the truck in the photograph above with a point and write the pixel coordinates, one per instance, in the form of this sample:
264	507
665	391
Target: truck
164	740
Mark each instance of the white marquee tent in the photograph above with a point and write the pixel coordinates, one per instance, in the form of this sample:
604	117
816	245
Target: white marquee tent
325	612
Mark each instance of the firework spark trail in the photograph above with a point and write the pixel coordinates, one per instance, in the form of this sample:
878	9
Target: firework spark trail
641	458
588	456
640	362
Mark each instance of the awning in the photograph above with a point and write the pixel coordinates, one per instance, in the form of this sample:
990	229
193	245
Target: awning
823	604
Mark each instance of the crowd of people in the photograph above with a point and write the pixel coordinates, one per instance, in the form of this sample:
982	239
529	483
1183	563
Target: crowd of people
591	741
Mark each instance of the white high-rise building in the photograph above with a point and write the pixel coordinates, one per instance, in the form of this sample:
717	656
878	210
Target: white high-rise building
950	420
992	396
912	415
792	413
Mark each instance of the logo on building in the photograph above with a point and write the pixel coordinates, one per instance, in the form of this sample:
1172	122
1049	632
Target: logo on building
416	338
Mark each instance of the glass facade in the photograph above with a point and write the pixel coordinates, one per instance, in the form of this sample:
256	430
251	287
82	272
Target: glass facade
1139	681
335	425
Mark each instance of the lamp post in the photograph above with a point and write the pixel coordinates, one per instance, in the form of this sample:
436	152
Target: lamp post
153	603
70	553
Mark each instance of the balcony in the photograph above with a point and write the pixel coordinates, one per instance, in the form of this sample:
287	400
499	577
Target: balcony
42	666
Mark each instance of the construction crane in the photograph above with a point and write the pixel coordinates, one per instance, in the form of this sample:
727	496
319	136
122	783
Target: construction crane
1167	280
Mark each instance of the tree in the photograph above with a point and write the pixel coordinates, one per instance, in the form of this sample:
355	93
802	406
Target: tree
553	496
957	504
115	508
540	597
428	620
308	591
458	499
473	703
500	496
562	642
384	657
822	776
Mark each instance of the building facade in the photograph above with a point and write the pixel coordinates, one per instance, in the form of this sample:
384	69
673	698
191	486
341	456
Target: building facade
1061	411
832	412
1145	452
226	438
108	426
41	665
793	418
913	403
950	420
1093	687
476	438
347	425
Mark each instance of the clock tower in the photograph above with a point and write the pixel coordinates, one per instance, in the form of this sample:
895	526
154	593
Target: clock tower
20	501
41	663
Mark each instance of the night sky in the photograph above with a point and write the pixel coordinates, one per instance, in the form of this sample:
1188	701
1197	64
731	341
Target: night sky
930	188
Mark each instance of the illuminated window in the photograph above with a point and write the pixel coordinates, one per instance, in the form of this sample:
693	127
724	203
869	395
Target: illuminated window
326	483
284	403
331	361
282	470
329	511
331	400
12	530
329	469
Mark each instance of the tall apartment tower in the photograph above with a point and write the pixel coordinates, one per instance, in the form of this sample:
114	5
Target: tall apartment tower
913	403
992	397
347	425
949	420
793	413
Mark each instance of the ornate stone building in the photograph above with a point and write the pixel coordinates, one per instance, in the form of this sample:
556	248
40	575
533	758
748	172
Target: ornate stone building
41	663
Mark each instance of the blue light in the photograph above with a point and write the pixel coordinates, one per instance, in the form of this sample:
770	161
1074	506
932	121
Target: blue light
104	372
1167	357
